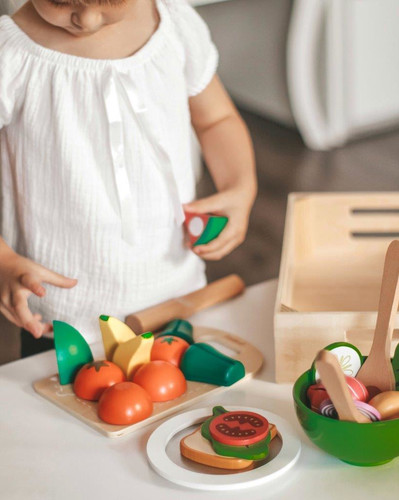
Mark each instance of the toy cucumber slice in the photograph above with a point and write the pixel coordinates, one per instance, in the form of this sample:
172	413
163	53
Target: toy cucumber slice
203	363
349	357
72	351
256	451
179	328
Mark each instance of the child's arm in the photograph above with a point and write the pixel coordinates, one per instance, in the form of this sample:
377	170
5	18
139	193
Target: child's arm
228	152
19	278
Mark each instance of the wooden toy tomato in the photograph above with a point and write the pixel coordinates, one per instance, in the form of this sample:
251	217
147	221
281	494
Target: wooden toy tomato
239	434
124	404
162	380
316	394
239	428
93	378
169	349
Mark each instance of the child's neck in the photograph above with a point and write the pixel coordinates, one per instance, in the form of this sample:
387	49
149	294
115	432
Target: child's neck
111	42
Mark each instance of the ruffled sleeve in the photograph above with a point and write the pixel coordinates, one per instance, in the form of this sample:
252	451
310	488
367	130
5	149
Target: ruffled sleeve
11	73
201	55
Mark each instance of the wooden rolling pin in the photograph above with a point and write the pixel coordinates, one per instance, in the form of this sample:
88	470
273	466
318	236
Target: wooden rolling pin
153	318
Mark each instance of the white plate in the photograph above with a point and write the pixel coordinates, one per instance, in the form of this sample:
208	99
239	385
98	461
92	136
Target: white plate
167	468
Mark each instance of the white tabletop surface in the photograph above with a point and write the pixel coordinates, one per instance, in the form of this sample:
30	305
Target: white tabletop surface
46	453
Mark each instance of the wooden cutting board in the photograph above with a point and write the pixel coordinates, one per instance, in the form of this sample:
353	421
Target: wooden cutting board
86	411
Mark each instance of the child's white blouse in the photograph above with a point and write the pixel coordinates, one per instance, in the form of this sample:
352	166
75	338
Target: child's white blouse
96	162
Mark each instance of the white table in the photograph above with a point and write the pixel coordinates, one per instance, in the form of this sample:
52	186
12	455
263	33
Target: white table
47	454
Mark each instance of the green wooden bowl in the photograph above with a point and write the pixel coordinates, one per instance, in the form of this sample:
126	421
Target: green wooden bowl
357	444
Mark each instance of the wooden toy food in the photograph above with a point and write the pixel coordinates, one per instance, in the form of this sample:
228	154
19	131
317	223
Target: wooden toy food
203	228
179	328
169	349
162	380
328	409
154	318
316	394
198	449
395	367
93	378
124	404
114	332
377	373
239	434
387	404
333	380
203	363
349	358
134	353
86	411
72	351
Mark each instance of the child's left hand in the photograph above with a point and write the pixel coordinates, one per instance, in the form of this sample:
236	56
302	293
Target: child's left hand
234	204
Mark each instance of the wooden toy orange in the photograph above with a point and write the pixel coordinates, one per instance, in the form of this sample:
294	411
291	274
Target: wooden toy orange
93	378
162	380
387	403
169	349
124	404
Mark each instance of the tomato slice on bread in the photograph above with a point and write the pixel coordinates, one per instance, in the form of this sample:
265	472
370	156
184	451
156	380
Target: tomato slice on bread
239	428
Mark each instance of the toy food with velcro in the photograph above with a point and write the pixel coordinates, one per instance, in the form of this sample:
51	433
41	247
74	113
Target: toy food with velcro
203	363
135	352
203	228
71	349
198	449
240	434
113	332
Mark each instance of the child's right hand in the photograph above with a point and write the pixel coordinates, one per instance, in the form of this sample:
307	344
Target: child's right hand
19	278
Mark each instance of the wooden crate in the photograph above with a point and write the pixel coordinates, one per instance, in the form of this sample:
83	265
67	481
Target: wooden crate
330	274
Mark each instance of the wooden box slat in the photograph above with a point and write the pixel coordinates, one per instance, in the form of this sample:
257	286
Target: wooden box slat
330	274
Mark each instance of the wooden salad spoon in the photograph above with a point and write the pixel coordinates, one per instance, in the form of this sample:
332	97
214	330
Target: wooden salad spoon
377	373
333	379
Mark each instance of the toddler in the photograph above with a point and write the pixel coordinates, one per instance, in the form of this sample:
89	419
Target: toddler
97	99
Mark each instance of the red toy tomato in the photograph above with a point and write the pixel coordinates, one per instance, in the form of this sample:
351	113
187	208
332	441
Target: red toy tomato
316	394
162	380
124	404
239	428
169	349
93	378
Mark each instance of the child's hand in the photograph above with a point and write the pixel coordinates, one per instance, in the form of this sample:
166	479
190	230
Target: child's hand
19	278
234	204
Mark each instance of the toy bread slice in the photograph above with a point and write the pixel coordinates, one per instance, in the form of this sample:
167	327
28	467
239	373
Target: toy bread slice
114	332
198	449
134	353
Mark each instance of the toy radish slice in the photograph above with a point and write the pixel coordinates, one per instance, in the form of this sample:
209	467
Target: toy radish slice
203	228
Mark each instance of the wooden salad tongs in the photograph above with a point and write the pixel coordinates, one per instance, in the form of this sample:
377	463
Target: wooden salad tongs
377	373
333	379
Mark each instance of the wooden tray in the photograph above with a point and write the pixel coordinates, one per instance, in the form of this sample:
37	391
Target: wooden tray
330	274
64	397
